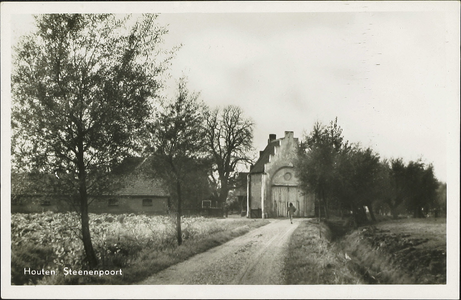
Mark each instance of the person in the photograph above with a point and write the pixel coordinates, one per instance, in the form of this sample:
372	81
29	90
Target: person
291	211
226	210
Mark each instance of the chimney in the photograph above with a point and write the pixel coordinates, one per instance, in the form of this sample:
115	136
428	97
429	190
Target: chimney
272	137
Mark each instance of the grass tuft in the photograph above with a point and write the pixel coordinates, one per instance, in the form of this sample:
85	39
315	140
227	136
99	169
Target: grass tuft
312	258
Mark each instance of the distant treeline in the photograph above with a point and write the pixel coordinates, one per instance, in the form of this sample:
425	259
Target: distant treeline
346	177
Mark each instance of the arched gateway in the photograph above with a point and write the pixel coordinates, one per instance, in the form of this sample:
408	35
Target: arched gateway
273	182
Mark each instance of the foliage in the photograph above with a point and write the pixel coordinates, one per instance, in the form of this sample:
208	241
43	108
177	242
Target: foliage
52	240
412	186
318	154
440	206
176	140
357	180
353	178
33	256
421	188
83	86
229	137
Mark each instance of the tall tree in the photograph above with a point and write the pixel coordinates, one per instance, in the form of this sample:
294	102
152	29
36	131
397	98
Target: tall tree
83	86
177	143
421	187
316	161
396	185
440	205
357	180
229	137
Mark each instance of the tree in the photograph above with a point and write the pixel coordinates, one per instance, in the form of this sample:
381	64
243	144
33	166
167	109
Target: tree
440	206
396	185
412	186
229	137
83	86
177	143
421	188
357	180
316	161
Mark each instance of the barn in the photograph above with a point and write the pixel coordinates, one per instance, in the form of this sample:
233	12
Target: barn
136	192
272	182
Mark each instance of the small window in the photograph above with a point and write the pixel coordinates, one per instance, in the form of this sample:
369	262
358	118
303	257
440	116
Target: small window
147	202
206	203
287	176
113	202
46	203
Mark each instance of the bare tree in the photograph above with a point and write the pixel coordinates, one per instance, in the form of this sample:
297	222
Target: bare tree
229	137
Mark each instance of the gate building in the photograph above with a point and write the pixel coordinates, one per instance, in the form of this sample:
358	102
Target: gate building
272	183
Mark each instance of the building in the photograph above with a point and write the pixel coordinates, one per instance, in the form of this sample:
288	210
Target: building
272	182
136	192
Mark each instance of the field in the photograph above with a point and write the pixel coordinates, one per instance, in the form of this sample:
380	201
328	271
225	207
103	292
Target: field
404	251
140	245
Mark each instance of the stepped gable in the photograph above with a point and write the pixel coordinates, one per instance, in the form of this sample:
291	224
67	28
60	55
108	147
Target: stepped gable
264	156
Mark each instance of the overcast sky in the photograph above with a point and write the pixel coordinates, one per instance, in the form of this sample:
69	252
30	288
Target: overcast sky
383	74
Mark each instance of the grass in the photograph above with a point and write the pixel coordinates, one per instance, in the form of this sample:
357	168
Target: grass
403	251
313	259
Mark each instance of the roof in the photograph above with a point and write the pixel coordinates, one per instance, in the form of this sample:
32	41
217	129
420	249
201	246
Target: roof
138	180
133	177
264	157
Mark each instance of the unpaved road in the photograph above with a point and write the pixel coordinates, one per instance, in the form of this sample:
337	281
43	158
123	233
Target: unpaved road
254	258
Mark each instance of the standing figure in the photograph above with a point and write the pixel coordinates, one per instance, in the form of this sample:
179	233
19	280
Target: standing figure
291	211
226	210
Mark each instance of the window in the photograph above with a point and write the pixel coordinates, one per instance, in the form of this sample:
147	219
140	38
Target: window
147	202
46	203
287	176
113	202
206	203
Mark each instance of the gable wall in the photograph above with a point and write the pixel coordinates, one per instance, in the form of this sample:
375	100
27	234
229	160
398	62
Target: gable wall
272	186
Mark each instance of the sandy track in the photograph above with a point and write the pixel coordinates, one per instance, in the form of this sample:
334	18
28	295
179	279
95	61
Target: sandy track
254	258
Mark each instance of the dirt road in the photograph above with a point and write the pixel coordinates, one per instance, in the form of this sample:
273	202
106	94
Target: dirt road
254	258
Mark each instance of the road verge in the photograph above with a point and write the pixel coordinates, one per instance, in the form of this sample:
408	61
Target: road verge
313	259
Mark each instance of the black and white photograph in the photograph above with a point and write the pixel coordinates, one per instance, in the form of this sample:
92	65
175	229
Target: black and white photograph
224	150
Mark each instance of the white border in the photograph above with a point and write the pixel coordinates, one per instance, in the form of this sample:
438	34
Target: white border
451	290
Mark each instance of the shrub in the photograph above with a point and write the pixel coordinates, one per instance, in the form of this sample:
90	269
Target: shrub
35	257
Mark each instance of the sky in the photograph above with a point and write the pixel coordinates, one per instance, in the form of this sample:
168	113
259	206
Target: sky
383	74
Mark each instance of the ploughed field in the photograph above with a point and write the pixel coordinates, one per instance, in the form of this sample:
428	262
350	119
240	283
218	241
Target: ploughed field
403	251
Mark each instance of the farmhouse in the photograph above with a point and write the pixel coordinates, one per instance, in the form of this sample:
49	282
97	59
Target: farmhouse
136	192
272	183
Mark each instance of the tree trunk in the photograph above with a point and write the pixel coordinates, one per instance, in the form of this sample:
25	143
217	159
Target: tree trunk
372	215
363	215
87	244
178	217
224	191
325	203
86	236
418	212
393	211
